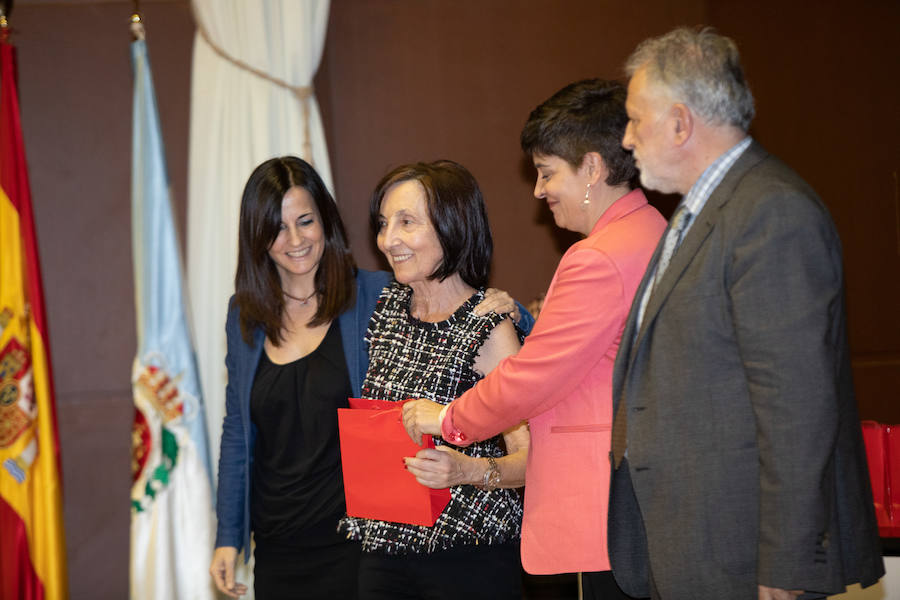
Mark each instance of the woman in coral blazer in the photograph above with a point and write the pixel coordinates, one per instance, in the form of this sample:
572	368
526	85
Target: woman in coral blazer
561	379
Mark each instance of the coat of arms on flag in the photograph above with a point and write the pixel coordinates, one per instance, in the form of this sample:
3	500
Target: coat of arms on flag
17	407
160	405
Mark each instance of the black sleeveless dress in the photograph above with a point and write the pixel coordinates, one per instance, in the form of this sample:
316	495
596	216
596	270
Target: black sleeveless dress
297	490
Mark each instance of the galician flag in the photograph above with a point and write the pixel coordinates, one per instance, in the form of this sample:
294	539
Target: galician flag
32	537
171	501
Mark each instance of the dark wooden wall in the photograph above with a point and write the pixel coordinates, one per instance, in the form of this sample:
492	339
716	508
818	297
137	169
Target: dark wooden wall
406	80
828	103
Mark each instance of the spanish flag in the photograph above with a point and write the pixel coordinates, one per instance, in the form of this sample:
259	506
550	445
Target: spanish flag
32	539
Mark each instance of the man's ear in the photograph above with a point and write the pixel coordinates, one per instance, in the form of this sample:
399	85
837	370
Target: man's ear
682	122
594	167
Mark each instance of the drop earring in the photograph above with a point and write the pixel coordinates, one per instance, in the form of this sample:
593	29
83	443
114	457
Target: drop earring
587	195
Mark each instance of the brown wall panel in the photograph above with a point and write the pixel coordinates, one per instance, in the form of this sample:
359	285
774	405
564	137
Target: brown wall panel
95	440
877	383
825	81
433	79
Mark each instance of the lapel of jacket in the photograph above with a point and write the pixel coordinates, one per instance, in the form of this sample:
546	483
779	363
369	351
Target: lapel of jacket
623	356
254	352
693	240
349	323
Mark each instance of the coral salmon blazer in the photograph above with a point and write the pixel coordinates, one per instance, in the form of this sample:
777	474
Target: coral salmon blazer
561	382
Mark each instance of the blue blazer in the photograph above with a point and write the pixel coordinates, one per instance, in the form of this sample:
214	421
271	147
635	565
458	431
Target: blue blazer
238	431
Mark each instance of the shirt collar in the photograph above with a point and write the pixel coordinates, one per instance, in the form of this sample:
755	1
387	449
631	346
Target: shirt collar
710	179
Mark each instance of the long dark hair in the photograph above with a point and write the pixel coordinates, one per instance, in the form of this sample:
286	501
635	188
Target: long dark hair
458	215
258	292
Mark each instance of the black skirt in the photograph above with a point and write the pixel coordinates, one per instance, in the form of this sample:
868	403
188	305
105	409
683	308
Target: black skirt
321	565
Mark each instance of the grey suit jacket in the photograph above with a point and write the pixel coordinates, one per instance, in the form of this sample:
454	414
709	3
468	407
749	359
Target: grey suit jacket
745	459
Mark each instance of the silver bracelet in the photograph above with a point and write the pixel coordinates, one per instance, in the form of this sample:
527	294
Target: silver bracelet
492	477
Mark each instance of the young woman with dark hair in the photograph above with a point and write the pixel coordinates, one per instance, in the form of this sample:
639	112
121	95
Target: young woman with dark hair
293	358
259	283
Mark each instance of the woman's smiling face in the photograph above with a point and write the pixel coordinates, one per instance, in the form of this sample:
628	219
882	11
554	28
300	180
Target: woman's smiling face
406	235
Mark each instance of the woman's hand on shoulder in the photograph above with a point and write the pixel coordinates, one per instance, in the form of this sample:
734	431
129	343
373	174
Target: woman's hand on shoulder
502	342
222	571
497	301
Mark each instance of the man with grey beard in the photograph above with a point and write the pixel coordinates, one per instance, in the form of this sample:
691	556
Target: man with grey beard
740	469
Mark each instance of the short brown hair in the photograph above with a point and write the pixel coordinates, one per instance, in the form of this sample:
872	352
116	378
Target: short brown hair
457	212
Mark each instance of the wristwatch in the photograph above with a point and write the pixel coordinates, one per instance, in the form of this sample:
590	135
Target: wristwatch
491	479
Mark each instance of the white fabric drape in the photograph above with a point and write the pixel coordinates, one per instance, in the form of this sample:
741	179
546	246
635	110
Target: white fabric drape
238	120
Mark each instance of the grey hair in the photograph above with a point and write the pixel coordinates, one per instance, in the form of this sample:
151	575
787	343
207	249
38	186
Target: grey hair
700	68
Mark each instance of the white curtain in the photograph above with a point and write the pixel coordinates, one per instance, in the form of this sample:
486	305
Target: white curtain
253	66
239	119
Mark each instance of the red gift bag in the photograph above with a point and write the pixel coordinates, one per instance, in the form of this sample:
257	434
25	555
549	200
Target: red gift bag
883	454
376	482
873	436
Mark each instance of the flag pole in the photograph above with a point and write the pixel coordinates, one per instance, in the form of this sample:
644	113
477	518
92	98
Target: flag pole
6	7
137	25
4	23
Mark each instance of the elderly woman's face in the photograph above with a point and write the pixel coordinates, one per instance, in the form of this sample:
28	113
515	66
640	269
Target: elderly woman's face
406	235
